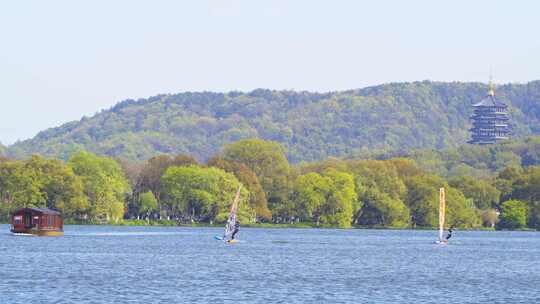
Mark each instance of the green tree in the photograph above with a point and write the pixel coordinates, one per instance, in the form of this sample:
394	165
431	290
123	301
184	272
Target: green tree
61	188
483	194
267	159
381	209
197	193
257	197
504	159
531	154
380	175
40	182
381	190
405	167
527	188
341	204
147	203
513	215
149	178
311	192
423	202
104	185
19	188
328	198
321	166
505	180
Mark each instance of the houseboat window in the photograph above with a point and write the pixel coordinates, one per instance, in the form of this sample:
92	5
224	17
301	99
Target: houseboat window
17	219
50	221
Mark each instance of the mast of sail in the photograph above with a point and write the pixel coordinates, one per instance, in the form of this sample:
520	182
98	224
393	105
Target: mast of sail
231	221
442	207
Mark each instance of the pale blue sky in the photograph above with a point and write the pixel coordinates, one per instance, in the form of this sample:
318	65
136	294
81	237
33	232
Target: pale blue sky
60	60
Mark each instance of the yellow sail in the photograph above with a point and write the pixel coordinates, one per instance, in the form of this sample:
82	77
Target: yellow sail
442	207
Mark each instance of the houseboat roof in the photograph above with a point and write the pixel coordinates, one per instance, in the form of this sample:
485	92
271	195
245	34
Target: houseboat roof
39	210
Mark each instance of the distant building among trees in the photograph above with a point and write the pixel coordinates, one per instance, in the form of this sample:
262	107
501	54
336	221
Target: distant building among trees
490	120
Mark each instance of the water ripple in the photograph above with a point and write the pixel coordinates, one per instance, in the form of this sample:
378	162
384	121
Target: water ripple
103	264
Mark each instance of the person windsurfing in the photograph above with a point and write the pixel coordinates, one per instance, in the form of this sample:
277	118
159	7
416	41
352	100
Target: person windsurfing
449	235
236	228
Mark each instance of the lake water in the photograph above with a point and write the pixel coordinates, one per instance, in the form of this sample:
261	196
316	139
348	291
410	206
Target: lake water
105	264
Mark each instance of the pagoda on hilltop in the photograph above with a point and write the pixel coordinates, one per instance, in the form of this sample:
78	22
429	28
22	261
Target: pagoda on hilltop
490	120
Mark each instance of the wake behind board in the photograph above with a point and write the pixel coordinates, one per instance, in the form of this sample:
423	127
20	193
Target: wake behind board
22	234
220	238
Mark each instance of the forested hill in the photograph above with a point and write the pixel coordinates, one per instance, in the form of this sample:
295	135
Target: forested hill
312	126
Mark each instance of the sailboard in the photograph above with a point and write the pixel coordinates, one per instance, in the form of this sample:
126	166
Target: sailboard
442	213
231	221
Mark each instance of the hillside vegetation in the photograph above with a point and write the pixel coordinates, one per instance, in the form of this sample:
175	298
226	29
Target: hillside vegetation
393	118
471	160
394	192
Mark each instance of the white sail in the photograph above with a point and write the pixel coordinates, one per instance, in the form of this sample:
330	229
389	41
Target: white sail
442	207
231	221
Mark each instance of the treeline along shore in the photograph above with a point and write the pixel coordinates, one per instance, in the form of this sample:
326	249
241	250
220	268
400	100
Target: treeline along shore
495	186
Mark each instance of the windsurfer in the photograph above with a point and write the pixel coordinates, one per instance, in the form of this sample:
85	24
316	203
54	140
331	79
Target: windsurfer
236	228
449	235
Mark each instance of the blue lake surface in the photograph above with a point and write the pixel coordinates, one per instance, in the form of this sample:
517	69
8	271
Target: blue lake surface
107	264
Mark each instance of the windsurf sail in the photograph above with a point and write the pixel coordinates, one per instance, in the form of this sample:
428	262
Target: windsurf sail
442	207
231	221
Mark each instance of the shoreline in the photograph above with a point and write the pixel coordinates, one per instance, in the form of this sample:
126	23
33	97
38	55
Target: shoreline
168	223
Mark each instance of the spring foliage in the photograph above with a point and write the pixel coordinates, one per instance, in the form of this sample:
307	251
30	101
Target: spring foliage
311	126
395	192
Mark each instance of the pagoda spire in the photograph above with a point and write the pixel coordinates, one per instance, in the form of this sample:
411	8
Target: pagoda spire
491	88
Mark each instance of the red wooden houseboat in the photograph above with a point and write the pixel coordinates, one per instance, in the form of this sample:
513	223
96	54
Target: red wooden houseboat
37	221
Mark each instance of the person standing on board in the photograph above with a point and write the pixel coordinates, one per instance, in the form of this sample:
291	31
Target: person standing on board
236	228
449	235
